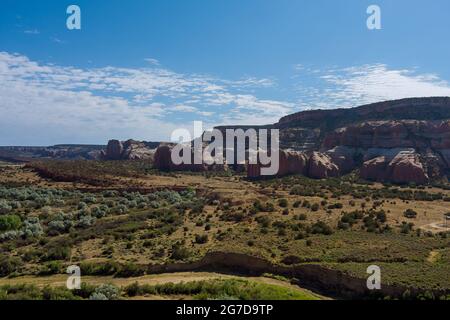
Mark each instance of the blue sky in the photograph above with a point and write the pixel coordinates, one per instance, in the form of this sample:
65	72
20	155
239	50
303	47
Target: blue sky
140	69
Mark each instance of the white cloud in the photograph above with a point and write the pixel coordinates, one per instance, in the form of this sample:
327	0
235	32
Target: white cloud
46	103
183	108
354	86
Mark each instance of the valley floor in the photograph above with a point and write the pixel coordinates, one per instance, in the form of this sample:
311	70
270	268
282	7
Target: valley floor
115	219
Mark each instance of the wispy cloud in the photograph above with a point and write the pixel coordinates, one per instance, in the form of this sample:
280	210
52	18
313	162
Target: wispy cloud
152	61
353	86
32	31
57	40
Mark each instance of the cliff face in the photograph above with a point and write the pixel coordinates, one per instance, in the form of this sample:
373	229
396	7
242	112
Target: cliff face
401	141
392	134
400	151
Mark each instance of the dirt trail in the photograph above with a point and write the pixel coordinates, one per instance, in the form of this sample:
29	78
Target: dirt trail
436	227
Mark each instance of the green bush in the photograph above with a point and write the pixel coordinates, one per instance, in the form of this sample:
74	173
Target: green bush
49	293
180	253
10	222
107	268
8	265
51	267
321	227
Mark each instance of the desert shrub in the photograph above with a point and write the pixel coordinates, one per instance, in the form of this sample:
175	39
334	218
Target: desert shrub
283	203
315	207
57	253
335	206
201	239
89	199
180	253
105	292
99	268
406	227
49	293
31	255
61	223
4	207
133	290
82	205
381	216
20	292
259	207
349	219
10	222
85	291
99	212
321	227
264	221
9	265
370	223
410	214
85	221
9	235
31	228
233	216
301	190
121	209
51	267
15	204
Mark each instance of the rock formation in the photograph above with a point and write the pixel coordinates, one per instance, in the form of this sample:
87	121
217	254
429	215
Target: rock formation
405	167
321	166
129	150
315	165
290	162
